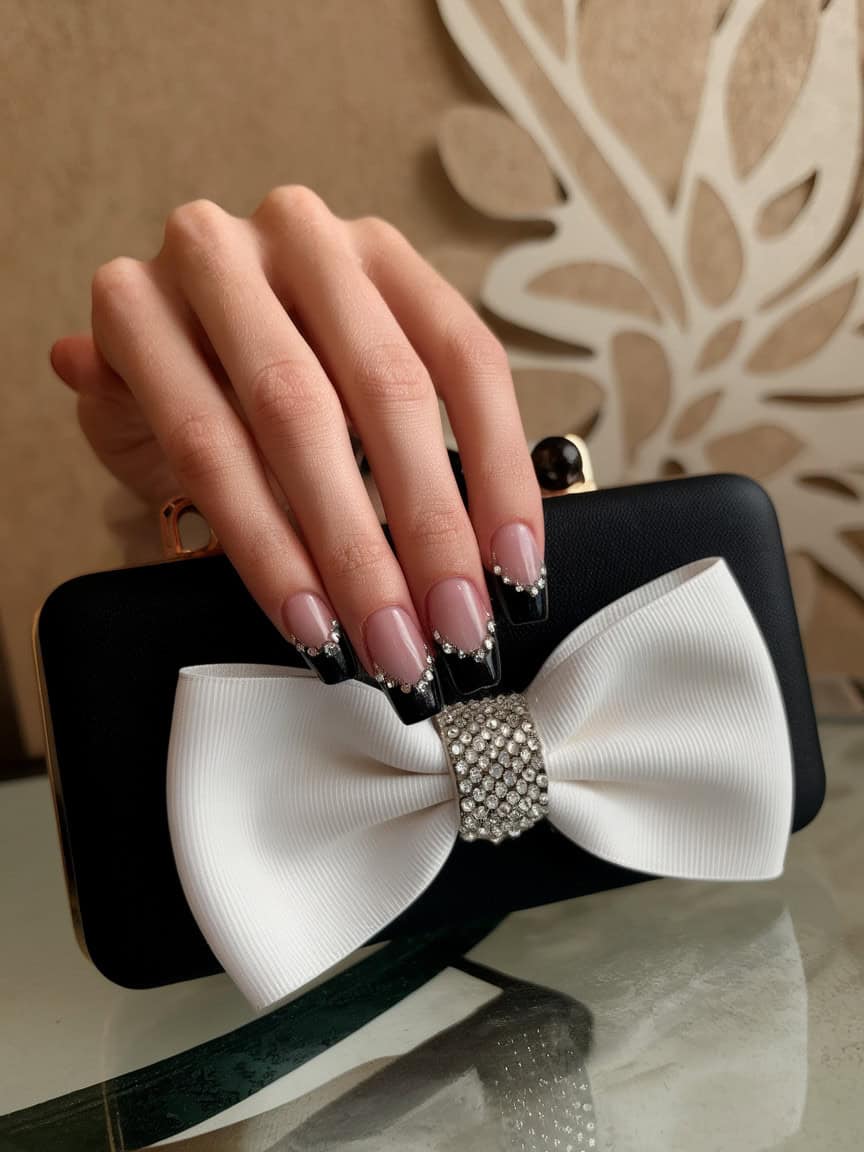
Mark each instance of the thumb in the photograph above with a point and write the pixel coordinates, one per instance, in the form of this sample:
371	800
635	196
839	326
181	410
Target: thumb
80	364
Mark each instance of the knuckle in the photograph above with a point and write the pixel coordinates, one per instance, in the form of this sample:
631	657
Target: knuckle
391	374
202	449
440	527
197	224
508	465
117	285
286	401
293	202
357	557
377	233
261	549
283	390
476	352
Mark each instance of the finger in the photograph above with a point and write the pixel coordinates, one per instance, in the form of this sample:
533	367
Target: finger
115	426
299	426
112	421
80	366
392	401
470	371
145	337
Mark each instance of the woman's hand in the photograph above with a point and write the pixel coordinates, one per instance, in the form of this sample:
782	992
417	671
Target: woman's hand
235	358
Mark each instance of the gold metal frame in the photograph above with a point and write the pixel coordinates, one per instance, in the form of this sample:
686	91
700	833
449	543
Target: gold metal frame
170	515
57	795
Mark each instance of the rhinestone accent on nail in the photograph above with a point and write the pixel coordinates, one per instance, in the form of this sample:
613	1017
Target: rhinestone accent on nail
532	589
479	654
492	810
422	685
330	647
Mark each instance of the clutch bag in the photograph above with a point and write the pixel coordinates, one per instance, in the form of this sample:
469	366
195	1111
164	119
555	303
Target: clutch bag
109	647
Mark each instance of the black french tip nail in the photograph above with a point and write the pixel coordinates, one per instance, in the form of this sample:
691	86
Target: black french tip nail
414	702
402	664
330	655
519	604
333	662
472	671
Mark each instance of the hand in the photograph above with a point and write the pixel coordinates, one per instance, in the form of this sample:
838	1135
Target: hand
226	369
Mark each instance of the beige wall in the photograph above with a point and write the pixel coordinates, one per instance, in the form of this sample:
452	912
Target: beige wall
116	112
113	114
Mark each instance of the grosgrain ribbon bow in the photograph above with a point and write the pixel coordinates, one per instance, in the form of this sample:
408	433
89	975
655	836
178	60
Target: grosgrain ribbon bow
305	818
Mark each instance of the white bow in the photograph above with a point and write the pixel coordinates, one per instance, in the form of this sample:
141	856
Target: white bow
304	818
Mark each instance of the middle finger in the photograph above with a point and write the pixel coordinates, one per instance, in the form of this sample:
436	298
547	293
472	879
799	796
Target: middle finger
390	396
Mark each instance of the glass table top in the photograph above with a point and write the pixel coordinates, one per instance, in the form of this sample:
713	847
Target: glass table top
667	1015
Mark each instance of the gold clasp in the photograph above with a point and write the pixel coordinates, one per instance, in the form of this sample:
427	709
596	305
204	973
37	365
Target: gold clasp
173	545
585	481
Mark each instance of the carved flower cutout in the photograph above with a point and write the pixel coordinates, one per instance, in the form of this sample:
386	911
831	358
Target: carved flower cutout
697	168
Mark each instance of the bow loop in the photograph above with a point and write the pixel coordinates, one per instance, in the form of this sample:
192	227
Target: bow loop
665	735
304	818
287	809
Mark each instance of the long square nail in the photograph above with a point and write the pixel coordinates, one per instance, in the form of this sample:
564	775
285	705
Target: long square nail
403	665
464	631
520	575
319	638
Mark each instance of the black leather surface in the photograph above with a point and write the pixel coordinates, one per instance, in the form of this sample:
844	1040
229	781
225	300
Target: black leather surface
112	644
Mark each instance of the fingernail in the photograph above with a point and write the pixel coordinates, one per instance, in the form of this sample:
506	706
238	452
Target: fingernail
465	634
318	637
403	666
520	574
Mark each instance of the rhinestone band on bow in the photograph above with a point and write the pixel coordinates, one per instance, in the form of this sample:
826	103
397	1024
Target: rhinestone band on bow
496	757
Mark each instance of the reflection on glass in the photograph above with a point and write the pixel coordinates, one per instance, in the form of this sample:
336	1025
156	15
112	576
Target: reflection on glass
629	1025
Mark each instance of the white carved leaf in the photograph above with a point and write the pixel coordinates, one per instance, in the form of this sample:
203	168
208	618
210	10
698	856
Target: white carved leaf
720	345
495	164
802	334
782	210
597	285
754	361
695	416
714	252
780	40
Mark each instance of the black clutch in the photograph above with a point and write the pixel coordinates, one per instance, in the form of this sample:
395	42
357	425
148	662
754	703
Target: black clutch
109	647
